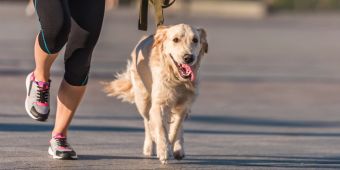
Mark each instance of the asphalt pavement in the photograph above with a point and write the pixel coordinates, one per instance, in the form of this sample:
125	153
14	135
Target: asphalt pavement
269	96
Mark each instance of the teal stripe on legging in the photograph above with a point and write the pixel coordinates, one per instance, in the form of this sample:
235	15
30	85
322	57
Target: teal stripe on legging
85	81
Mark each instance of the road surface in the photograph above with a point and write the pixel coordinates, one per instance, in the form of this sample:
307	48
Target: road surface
269	96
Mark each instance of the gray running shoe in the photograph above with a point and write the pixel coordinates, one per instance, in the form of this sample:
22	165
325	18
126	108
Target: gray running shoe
37	99
60	149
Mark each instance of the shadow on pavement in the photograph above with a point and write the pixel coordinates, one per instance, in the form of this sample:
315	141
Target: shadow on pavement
264	161
252	121
223	120
83	117
16	127
102	157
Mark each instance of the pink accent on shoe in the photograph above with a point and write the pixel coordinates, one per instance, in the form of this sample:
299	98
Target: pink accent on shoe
32	77
41	104
40	83
44	85
59	136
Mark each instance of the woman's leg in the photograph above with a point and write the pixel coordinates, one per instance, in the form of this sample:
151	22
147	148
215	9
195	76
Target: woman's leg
87	18
43	63
55	26
68	100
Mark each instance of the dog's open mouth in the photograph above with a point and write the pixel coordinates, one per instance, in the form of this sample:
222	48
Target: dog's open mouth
185	70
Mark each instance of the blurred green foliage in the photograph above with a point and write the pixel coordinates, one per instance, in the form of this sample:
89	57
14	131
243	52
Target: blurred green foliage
304	4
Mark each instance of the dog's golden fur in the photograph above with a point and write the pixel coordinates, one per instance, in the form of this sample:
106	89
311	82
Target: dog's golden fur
153	82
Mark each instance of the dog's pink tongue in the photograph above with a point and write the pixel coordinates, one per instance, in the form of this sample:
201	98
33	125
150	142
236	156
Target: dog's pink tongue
188	70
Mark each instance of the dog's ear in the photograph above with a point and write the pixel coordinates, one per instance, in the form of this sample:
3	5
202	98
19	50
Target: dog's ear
203	38
160	35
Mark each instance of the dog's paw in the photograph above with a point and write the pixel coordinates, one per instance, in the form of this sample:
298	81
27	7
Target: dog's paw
164	162
163	158
164	153
179	154
148	148
148	152
178	150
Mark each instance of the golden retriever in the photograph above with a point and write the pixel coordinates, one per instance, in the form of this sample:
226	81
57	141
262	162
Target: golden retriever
162	80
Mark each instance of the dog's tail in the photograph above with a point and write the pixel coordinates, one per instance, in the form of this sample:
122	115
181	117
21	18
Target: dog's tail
121	87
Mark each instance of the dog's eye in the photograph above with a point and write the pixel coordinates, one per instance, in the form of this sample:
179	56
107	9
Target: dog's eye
195	40
175	40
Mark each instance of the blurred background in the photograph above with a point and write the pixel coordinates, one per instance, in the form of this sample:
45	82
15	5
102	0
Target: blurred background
269	95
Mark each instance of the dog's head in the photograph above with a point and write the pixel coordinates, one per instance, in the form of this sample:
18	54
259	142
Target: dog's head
183	46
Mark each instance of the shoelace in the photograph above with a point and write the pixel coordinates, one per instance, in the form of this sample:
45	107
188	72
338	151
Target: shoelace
42	94
61	142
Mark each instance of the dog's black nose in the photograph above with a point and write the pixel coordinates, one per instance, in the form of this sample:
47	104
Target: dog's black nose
188	58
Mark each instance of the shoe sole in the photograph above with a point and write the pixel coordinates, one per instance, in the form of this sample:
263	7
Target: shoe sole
51	153
26	100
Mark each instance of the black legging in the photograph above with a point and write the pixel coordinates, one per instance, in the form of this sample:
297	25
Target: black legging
77	22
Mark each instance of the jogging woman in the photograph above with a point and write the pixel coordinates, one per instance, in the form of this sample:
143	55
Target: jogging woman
77	23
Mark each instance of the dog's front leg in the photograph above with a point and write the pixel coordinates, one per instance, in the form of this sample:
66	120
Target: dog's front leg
176	134
148	148
178	146
158	119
